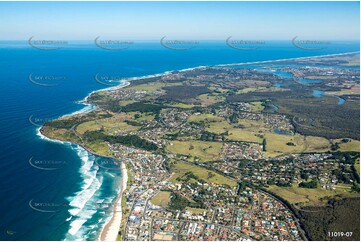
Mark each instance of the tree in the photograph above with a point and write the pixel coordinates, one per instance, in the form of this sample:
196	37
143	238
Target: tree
304	175
210	175
264	143
311	184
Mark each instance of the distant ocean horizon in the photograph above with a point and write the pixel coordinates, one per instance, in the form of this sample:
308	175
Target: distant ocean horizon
65	201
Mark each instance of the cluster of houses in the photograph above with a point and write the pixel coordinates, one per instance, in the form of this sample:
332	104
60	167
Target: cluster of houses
147	174
289	169
241	150
126	94
249	215
223	214
275	121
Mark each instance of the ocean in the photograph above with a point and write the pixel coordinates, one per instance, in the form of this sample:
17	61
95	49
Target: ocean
57	191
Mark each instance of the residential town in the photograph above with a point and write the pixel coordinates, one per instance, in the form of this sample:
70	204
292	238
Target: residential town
327	170
227	214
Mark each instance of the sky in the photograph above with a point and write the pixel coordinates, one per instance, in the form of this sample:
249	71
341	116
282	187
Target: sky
181	20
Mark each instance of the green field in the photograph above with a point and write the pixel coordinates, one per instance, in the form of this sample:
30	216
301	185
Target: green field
352	145
251	130
218	127
205	151
307	196
181	105
110	126
180	169
152	86
256	131
143	116
218	89
61	134
161	199
352	62
277	144
237	134
196	211
100	148
125	103
254	125
317	144
353	91
256	106
247	90
207	99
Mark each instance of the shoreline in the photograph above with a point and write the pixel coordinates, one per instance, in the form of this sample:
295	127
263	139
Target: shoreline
127	81
288	59
109	232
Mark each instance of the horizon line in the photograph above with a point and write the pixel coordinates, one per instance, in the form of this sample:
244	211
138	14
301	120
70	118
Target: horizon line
181	39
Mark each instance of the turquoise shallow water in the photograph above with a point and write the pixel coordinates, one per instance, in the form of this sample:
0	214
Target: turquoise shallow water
78	192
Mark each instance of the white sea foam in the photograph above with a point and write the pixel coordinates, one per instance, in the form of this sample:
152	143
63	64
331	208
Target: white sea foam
88	108
82	202
77	231
75	226
41	136
90	182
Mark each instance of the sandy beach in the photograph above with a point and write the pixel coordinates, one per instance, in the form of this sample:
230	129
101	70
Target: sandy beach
110	230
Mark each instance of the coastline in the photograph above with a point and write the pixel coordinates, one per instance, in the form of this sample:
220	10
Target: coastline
109	232
111	229
287	59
